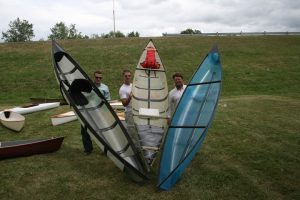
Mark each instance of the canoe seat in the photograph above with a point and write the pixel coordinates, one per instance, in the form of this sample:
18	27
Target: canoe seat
7	114
78	86
58	56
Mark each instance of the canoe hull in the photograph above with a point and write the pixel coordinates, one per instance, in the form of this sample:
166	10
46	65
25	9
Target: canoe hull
12	149
70	116
191	120
95	114
63	118
150	93
34	108
12	120
35	100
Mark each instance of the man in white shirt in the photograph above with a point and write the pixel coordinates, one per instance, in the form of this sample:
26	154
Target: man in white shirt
125	91
175	94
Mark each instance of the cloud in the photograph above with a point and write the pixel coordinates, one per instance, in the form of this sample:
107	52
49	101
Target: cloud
154	17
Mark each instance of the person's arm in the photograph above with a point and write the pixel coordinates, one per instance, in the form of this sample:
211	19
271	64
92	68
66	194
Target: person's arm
126	101
123	97
108	95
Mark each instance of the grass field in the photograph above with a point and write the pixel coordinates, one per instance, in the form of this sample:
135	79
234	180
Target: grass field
251	150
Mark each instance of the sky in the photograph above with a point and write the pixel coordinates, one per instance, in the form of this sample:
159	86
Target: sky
153	17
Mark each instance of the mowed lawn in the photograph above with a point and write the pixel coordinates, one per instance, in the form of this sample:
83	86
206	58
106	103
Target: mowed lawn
251	151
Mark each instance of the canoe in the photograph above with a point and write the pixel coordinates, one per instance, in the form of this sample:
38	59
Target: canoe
63	118
150	101
36	100
116	105
191	120
30	108
12	120
95	114
11	149
70	116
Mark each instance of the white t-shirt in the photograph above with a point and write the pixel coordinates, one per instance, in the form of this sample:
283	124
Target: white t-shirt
174	97
124	93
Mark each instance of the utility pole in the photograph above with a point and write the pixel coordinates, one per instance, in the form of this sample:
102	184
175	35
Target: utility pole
114	18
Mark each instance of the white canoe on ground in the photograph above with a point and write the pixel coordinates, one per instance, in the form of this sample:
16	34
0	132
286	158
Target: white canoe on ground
116	105
70	116
12	120
34	108
63	118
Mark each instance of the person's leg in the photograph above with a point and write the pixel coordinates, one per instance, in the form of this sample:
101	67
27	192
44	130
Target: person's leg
86	141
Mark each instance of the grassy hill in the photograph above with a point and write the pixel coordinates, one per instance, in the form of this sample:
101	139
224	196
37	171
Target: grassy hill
252	148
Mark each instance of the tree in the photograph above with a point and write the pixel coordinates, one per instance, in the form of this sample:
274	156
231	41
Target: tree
111	34
60	31
190	31
133	34
74	34
20	31
119	34
197	32
104	35
95	36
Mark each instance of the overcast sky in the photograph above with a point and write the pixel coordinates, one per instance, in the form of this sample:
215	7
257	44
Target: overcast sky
153	17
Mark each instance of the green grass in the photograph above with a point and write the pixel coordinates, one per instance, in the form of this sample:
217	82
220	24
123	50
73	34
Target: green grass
251	150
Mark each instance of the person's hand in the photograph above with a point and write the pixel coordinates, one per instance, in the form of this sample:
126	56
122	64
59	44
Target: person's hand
130	96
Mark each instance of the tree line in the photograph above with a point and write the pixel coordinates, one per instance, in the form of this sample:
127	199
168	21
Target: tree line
22	31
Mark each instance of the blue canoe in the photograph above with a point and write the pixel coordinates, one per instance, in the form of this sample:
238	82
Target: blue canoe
191	120
95	114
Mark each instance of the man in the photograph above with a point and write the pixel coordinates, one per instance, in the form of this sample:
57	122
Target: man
175	94
101	86
86	140
125	92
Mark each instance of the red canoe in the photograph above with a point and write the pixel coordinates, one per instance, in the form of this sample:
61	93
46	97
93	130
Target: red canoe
11	149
